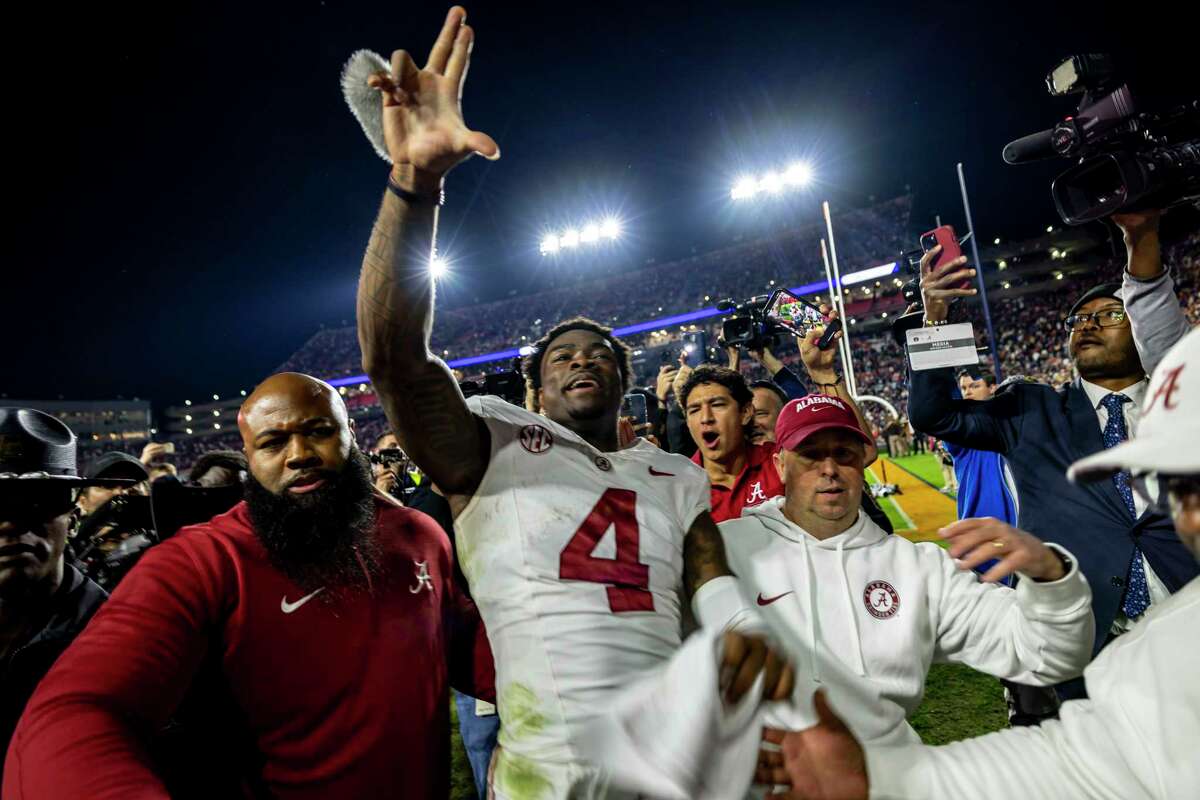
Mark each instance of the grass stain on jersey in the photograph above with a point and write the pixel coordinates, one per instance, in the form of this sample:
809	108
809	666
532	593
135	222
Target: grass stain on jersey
520	778
466	555
519	714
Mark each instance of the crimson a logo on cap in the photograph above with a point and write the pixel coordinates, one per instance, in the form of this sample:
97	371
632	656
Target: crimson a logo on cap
881	599
536	439
1165	390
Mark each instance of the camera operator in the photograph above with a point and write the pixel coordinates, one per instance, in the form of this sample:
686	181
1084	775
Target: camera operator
219	468
386	475
1135	735
44	601
120	473
1128	553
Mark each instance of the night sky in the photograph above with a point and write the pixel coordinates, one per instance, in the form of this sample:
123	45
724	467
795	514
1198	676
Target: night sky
189	196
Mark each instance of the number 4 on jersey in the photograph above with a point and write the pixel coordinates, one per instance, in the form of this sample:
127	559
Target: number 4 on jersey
629	579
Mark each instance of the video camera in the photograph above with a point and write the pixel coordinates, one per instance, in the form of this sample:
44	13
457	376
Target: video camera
765	320
1127	160
397	461
508	385
748	325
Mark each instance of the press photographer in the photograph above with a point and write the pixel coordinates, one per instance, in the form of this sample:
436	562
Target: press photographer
44	601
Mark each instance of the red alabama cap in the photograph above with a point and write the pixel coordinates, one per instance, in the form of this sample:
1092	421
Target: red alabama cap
803	417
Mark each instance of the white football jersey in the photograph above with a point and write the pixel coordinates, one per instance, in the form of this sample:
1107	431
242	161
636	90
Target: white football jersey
575	559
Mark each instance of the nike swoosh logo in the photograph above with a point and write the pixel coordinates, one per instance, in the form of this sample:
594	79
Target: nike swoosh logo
288	608
766	601
655	472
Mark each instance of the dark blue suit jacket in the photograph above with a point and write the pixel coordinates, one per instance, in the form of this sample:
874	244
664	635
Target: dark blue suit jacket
1042	431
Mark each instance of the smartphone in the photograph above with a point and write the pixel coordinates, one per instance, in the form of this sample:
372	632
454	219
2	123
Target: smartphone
695	347
169	448
634	407
794	315
946	237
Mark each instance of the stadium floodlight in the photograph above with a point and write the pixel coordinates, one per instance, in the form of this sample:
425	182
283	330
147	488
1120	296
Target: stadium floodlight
796	175
437	267
745	188
590	233
189	430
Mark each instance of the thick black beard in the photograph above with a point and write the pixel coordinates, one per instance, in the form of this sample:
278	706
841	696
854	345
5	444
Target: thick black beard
324	538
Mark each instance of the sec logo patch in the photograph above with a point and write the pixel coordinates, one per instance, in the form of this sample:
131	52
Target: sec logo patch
536	439
881	599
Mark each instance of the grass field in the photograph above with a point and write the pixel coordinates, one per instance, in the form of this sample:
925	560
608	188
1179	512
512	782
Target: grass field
959	702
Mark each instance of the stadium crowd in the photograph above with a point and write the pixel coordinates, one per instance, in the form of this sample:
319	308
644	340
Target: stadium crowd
295	601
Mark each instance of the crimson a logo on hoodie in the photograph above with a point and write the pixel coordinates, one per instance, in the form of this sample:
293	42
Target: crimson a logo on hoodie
881	599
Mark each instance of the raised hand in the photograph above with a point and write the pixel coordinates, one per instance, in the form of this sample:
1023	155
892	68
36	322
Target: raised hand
978	539
819	363
940	286
681	377
423	124
666	377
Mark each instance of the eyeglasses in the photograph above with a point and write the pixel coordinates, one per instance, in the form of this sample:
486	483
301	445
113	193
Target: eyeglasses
1108	318
35	503
1157	490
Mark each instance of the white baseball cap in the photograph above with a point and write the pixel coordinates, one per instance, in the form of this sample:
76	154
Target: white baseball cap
1168	434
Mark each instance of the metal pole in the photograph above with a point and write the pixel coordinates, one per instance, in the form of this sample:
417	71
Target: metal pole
833	303
837	276
987	312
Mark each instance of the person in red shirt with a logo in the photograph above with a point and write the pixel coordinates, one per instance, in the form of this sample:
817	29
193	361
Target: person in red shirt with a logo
719	408
324	611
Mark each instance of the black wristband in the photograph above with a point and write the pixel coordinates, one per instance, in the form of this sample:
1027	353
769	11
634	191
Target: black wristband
414	198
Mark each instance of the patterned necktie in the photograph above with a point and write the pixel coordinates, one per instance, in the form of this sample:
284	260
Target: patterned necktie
1137	594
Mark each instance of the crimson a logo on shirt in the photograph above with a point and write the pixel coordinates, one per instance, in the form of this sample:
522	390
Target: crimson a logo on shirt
881	599
536	439
757	495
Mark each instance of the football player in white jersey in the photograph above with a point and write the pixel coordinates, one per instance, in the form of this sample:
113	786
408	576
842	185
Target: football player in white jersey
577	550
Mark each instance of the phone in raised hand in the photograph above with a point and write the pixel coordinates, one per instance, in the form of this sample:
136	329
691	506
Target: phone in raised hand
951	250
634	406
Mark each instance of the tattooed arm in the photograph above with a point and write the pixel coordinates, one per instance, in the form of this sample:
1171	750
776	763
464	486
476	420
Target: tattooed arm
703	554
426	137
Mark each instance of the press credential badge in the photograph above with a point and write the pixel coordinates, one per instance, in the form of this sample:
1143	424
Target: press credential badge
942	346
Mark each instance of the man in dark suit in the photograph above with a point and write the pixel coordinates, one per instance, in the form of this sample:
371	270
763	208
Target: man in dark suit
1130	556
44	601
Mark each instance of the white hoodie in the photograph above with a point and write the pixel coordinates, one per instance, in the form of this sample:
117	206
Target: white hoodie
863	615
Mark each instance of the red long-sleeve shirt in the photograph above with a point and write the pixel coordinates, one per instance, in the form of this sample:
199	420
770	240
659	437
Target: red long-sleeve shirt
343	698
